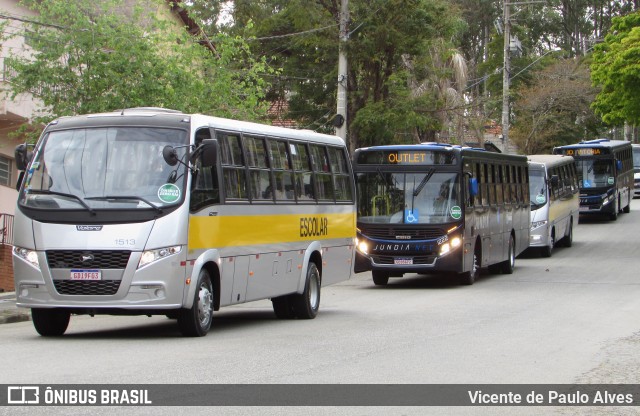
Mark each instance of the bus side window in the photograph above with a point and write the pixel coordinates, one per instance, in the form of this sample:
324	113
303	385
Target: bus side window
259	175
322	175
233	169
341	176
206	189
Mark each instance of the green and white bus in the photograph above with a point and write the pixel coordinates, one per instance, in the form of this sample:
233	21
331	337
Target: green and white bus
151	211
437	208
605	175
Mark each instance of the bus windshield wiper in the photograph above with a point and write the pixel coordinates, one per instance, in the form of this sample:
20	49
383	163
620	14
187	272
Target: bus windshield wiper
125	197
423	182
76	197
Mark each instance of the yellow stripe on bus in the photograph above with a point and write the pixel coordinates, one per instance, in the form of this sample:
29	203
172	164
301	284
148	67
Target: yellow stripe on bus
227	231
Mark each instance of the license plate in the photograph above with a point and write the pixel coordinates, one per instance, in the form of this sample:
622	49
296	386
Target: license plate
402	261
86	274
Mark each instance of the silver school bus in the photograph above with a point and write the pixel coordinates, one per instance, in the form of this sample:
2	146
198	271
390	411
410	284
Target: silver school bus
151	211
555	201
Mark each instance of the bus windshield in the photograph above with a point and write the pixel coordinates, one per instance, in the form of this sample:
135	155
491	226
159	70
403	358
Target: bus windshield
595	173
537	189
412	198
105	168
636	158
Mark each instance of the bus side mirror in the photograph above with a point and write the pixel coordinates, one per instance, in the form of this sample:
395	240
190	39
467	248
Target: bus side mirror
554	181
473	187
22	156
619	165
170	155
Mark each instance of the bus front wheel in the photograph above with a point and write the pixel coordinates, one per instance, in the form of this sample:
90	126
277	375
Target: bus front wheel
50	322
196	321
380	278
469	277
306	305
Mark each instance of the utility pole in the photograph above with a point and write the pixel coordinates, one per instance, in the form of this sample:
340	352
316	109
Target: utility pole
340	120
506	16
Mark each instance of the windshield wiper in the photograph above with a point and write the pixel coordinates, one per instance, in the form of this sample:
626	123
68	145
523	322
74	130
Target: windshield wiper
76	197
423	182
125	197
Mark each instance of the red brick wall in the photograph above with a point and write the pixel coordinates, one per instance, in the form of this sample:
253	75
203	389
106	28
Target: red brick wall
6	269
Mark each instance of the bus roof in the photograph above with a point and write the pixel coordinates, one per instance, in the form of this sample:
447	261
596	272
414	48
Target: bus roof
550	160
596	143
432	146
152	116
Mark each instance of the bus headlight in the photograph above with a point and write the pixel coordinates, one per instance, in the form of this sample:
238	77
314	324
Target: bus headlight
30	256
149	256
452	244
607	199
363	247
537	224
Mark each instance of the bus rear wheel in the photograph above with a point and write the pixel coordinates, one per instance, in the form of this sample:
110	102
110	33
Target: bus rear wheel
306	304
196	321
380	278
50	322
508	265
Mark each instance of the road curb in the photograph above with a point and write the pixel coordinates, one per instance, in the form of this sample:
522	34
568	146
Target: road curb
9	316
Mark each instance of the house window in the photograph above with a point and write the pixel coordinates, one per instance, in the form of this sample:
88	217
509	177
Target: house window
5	170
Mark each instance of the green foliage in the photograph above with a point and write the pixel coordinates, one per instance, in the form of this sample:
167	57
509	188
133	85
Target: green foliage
616	68
101	56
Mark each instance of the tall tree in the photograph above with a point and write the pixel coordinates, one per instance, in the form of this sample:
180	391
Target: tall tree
615	68
553	109
99	56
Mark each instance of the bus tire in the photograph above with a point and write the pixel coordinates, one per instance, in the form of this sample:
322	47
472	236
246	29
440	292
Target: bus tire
196	321
50	322
568	239
283	307
380	278
508	265
613	215
306	305
469	277
546	251
627	208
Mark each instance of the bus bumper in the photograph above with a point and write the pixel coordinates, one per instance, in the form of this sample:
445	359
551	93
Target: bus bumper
155	287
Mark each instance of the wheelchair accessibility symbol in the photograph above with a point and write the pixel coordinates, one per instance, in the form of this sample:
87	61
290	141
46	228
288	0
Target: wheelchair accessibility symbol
410	216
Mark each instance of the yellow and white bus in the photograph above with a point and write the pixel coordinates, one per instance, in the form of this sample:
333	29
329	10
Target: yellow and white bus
555	201
152	211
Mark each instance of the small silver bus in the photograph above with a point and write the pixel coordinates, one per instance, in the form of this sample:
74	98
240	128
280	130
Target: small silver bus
151	211
636	170
555	201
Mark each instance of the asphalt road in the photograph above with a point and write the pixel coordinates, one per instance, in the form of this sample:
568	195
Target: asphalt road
572	318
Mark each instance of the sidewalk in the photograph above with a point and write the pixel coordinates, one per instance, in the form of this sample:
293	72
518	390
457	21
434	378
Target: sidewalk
9	313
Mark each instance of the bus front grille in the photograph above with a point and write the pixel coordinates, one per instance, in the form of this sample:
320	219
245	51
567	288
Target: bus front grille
84	287
85	259
400	233
391	259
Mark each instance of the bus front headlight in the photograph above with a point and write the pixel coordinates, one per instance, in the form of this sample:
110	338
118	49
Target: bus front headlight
30	256
149	256
537	224
363	247
452	244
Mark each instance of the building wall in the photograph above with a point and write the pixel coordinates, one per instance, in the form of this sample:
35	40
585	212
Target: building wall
6	269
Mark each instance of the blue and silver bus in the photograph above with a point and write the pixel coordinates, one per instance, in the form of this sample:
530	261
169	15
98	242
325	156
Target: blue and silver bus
605	175
439	208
